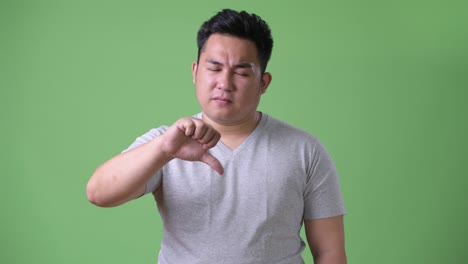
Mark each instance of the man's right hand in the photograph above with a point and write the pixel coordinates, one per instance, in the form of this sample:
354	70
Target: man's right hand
189	139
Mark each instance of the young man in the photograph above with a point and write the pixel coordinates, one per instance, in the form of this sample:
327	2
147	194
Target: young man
232	185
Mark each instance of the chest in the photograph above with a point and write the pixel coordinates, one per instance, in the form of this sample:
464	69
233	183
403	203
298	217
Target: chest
267	187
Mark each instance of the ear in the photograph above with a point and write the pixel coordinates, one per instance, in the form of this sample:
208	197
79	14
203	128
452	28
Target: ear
194	71
265	82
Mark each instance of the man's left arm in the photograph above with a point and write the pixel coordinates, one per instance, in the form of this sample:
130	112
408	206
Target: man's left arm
326	240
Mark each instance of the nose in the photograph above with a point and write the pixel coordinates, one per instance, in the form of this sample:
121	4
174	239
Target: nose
225	82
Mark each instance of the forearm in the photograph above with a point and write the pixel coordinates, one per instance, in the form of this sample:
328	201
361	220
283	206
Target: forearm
124	177
326	240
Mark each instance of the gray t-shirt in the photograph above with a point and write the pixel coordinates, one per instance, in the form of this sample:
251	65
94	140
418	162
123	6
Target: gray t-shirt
278	177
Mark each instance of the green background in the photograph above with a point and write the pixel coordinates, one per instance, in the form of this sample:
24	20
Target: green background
381	83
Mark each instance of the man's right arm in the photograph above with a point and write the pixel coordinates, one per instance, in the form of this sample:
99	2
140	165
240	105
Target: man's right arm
124	177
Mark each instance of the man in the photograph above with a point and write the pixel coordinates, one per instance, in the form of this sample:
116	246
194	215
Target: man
232	184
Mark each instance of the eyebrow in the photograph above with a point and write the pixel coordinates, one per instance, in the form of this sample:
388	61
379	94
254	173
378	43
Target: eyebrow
238	65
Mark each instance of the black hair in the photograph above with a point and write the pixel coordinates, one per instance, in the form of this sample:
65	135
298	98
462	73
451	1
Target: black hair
239	24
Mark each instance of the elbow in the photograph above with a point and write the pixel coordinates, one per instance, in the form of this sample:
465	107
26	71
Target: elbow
92	193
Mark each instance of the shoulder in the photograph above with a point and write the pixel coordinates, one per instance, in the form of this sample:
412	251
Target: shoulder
154	132
284	137
280	128
157	131
147	137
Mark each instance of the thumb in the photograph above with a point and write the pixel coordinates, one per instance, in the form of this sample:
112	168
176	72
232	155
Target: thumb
212	162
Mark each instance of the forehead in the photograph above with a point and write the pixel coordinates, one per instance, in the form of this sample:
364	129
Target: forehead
227	48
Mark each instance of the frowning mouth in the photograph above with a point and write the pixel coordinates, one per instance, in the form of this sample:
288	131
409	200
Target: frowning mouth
221	99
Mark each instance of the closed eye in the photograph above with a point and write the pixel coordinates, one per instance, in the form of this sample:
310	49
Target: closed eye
242	74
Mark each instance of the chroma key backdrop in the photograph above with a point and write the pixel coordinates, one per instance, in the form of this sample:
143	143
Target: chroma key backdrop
383	84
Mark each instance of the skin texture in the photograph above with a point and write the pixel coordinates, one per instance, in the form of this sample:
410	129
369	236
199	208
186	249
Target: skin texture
189	139
229	84
326	240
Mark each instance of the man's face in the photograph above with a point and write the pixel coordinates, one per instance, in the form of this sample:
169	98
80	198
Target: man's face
228	79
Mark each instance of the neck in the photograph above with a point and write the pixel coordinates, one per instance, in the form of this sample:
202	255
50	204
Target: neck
235	133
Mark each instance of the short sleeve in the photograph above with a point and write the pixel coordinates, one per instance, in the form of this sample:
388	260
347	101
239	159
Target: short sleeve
322	196
155	180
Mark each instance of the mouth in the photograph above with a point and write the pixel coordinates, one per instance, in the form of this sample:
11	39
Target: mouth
222	99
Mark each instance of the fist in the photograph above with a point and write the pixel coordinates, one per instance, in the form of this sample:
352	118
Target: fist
190	139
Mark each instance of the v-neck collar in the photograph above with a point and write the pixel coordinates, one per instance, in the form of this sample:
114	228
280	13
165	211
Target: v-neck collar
233	152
